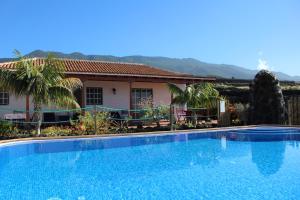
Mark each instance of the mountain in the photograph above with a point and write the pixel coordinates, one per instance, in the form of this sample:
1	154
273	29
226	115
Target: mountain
184	65
6	59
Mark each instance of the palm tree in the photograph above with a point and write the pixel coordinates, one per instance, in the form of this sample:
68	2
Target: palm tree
45	83
195	96
209	96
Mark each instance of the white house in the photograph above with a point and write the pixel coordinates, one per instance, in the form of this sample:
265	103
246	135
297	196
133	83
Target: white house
110	84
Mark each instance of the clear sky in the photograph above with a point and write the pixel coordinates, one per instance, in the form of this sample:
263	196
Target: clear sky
236	32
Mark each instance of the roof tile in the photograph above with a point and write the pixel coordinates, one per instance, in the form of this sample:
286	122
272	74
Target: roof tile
104	67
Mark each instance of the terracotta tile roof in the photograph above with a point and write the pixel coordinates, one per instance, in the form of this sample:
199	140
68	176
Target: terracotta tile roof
109	68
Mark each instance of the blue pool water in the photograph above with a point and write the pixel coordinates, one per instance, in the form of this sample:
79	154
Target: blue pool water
261	163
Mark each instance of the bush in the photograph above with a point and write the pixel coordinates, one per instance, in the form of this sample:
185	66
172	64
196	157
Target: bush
158	113
93	123
9	130
5	126
53	131
120	126
6	129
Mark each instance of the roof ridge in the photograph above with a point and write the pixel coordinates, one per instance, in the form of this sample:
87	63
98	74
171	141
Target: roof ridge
86	60
80	60
101	61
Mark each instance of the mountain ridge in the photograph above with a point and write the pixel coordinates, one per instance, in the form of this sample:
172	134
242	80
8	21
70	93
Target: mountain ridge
183	65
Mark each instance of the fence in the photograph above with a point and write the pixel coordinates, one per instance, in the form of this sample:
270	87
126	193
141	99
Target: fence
67	116
294	110
93	115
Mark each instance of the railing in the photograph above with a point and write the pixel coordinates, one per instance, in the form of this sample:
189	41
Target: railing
93	114
55	116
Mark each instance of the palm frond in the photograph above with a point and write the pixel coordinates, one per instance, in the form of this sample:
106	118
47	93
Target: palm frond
174	89
71	83
53	69
6	78
66	102
195	95
179	100
62	96
10	82
179	96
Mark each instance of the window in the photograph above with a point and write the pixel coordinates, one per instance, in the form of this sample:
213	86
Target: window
140	97
94	96
4	98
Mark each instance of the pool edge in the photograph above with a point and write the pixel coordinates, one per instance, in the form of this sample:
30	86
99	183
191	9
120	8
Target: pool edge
140	134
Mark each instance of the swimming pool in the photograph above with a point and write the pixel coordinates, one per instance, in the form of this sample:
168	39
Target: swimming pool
256	163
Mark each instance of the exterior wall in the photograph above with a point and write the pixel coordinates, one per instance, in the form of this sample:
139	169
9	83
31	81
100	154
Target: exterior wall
120	100
15	104
161	93
18	104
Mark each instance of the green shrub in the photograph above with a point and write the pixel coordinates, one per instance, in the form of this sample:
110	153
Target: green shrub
93	123
9	130
53	131
158	113
120	126
5	126
6	129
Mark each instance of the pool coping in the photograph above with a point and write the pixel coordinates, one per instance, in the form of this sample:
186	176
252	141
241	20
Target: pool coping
139	134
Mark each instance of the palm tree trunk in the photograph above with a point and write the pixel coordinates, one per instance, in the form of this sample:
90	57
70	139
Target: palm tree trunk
27	108
171	117
194	118
38	117
207	114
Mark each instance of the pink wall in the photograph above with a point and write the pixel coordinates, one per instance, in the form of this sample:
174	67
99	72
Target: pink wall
161	95
121	99
118	100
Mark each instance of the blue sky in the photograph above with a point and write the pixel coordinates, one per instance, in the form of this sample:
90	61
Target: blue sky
232	31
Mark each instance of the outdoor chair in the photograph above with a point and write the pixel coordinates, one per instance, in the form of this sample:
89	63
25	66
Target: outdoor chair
180	113
189	116
49	117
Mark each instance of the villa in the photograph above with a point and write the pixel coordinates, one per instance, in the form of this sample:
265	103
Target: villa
110	84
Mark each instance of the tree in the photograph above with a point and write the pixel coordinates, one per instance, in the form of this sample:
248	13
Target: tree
45	83
267	104
195	95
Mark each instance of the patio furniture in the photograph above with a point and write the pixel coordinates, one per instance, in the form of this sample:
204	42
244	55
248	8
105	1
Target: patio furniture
49	117
15	116
199	113
180	113
64	119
